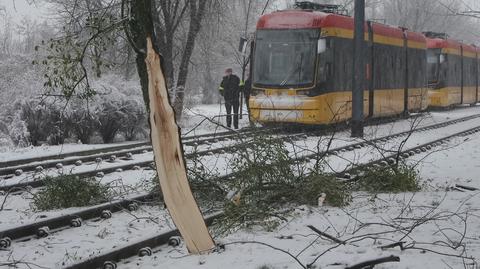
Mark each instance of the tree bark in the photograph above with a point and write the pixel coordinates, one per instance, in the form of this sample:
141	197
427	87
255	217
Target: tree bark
170	162
196	15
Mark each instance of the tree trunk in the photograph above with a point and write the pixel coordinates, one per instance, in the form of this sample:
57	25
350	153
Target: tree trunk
196	15
170	162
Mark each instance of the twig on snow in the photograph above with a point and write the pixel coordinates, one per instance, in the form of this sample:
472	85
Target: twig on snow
372	263
334	239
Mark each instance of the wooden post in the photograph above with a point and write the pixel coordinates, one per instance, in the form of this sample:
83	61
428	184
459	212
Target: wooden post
169	161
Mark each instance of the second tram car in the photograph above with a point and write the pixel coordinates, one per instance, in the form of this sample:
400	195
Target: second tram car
302	69
452	71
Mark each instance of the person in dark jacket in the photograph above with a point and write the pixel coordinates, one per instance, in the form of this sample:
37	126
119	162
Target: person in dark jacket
230	90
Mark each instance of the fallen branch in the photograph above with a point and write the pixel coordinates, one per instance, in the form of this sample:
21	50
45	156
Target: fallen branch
334	239
397	244
372	263
468	188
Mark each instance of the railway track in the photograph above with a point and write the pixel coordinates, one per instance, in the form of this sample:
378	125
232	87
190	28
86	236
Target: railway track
228	149
28	232
126	152
8	168
109	260
49	161
39	182
187	139
55	224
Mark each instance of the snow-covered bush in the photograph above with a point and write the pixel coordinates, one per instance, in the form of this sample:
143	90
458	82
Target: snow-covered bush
5	142
120	109
135	119
44	121
81	122
36	117
58	125
110	119
13	130
18	132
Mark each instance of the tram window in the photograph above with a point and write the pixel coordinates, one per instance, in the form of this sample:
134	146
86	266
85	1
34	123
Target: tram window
434	59
285	58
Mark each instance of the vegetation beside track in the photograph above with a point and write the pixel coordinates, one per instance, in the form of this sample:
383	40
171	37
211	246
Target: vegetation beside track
392	179
70	191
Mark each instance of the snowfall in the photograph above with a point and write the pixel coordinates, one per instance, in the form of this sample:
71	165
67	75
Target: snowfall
439	225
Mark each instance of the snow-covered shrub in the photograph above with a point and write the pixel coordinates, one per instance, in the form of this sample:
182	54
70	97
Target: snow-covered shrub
120	108
45	122
110	119
397	178
69	191
81	122
18	132
58	125
36	117
12	127
5	142
135	119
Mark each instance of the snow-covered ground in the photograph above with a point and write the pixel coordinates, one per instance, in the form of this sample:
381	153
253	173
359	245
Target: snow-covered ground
431	223
385	217
208	119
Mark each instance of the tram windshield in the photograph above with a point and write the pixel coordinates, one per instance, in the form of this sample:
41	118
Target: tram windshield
285	58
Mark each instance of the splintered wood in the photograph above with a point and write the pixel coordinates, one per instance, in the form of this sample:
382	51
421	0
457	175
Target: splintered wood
170	163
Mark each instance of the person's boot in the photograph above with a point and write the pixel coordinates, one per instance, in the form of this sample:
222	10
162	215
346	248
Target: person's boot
235	121
229	121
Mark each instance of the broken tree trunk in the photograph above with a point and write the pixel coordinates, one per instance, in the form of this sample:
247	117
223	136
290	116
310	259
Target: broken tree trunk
170	164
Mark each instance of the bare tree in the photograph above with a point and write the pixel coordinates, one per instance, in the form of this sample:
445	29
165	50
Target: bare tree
6	34
197	10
